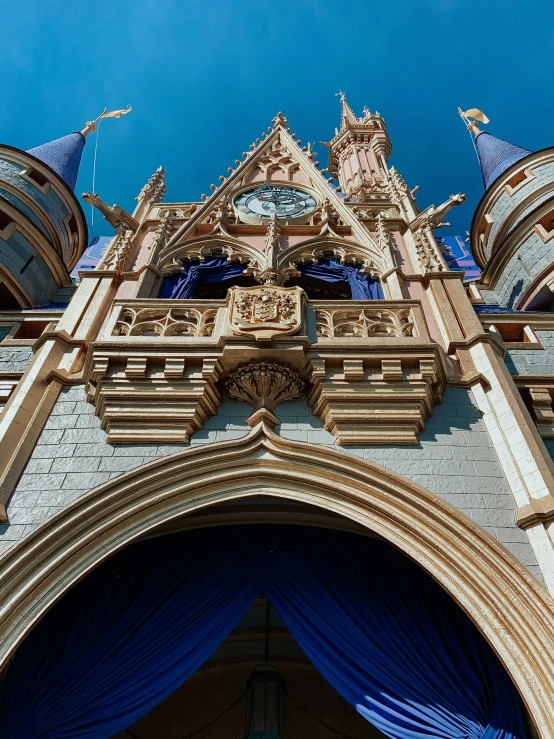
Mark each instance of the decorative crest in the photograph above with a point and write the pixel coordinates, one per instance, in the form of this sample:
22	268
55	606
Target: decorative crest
266	311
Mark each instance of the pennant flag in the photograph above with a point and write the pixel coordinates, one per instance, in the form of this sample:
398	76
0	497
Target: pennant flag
476	114
115	113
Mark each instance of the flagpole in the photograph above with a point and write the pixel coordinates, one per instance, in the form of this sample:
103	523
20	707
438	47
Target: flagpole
98	121
466	123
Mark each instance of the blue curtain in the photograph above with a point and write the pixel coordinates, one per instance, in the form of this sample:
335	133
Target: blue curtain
212	270
125	638
389	639
331	270
384	634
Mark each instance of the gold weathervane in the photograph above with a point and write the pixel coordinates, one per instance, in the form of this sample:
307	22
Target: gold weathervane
90	126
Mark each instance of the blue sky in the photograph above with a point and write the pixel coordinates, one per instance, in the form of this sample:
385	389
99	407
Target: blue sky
205	78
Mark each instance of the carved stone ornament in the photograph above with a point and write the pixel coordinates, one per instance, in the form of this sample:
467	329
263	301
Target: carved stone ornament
266	311
264	385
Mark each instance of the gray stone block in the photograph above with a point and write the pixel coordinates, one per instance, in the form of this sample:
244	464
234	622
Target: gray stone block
463	468
73	392
489	517
511	534
52	451
488	469
83	408
134	450
167	449
61	422
87	422
48	481
320	436
522	552
36	515
85	480
119	464
441	486
63	408
295	435
500	500
76	464
464	501
477	438
434	451
38	465
84	436
92	450
51	437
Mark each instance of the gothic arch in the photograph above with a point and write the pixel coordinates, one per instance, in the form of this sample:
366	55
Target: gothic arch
201	247
513	612
342	249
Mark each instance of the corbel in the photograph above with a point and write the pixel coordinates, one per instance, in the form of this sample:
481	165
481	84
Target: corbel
174	367
136	366
391	369
353	369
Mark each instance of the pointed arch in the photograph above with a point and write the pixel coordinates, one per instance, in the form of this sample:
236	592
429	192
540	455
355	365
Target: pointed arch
235	250
510	608
328	244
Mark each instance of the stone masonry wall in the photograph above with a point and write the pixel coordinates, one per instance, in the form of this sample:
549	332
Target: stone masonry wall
15	358
530	259
454	459
506	203
533	361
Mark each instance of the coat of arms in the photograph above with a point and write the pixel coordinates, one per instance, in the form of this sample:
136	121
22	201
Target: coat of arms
265	312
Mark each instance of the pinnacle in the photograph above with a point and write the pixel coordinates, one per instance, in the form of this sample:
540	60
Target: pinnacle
280	120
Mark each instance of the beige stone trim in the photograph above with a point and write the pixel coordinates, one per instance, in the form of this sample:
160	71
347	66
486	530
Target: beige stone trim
511	609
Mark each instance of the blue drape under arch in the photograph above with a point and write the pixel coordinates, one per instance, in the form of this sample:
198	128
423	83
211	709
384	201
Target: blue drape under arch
209	272
331	270
217	269
377	627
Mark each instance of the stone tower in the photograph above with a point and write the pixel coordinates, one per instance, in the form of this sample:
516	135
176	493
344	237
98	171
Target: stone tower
42	226
289	349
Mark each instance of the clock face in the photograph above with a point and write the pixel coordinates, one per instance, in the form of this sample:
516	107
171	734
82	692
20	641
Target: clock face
265	200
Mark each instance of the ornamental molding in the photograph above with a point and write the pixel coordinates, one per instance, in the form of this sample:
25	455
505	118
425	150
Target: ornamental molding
265	312
264	385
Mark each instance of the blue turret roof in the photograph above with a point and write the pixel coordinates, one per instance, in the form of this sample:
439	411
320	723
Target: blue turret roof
496	156
63	156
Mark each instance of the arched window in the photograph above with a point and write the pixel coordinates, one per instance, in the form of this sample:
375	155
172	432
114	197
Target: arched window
331	280
206	280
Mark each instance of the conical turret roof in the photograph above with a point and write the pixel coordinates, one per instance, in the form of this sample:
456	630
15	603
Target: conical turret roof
496	156
63	156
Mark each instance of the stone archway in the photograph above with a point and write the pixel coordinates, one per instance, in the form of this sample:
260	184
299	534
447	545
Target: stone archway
513	612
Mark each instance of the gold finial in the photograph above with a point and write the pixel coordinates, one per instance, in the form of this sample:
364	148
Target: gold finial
473	113
90	127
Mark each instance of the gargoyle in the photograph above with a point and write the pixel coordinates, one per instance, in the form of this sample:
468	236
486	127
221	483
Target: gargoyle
114	214
433	216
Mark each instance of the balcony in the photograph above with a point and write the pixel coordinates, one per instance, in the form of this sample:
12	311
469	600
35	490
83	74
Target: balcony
371	372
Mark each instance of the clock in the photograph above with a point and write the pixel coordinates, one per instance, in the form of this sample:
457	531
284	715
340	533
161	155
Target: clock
264	201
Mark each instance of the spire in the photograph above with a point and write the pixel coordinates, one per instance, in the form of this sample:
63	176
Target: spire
64	155
347	115
495	155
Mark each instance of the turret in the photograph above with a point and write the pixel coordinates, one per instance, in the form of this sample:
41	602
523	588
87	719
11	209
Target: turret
358	153
43	230
512	232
